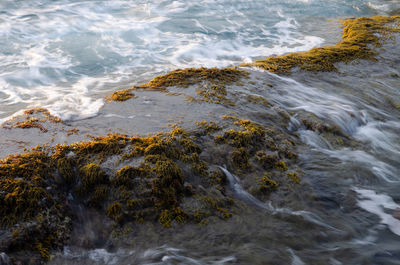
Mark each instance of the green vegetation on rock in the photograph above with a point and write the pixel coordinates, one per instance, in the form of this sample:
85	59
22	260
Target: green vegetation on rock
359	36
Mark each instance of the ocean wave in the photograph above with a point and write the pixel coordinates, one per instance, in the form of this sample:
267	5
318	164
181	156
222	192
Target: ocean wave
51	49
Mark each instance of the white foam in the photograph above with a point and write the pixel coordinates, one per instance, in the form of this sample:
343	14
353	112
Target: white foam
295	259
99	255
384	6
49	51
280	38
325	105
378	135
382	170
347	115
170	255
102	255
377	203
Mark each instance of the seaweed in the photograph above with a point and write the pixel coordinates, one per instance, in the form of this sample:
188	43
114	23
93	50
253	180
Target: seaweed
258	100
294	177
267	161
114	211
29	203
31	123
91	176
240	158
46	113
168	184
190	76
123	176
208	127
253	135
99	195
266	184
26	166
212	84
359	34
72	131
219	206
198	166
156	175
165	218
212	93
21	200
121	95
66	169
281	165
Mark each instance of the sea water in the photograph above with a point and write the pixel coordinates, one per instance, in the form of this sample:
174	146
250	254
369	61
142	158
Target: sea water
67	55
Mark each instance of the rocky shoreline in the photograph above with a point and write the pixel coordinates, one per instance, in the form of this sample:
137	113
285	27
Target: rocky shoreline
169	174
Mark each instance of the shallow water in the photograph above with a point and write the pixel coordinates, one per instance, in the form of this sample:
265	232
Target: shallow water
66	55
346	210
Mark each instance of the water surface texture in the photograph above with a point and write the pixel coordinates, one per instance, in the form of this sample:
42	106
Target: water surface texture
67	55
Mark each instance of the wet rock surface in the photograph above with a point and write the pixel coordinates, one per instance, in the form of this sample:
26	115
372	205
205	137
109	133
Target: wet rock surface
269	161
52	194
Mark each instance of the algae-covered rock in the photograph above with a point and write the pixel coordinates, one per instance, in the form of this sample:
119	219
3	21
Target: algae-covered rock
190	76
211	84
158	178
359	36
121	95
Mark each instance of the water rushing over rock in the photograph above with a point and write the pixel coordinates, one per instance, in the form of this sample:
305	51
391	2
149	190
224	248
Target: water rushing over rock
229	165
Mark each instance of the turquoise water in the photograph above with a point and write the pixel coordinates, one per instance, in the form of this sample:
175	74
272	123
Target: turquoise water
66	55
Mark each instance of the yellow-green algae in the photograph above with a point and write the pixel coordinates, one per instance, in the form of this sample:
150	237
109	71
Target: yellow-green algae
281	165
294	177
252	134
267	161
190	76
258	100
214	93
25	179
32	118
208	127
151	185
165	185
266	184
114	211
91	176
240	158
45	112
26	201
256	148
212	84
359	36
31	123
121	95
